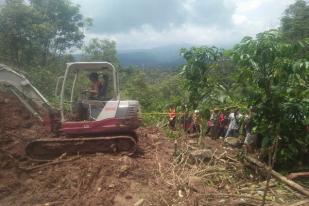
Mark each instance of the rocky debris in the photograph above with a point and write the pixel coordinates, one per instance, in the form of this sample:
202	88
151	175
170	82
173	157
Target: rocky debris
192	141
193	135
152	136
201	155
233	141
196	184
139	203
126	165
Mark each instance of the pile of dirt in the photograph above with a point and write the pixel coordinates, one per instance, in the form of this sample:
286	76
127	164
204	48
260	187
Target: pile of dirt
99	179
17	125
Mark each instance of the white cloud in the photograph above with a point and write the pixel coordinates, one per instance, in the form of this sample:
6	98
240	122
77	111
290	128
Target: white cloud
147	37
248	5
137	24
239	19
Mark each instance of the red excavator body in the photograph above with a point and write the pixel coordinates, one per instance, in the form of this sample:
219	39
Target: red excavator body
81	124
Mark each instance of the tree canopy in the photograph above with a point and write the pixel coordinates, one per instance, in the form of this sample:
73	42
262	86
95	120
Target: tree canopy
32	32
275	82
295	22
101	50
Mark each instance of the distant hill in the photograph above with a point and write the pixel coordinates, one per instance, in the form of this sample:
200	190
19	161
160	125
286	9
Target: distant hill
167	56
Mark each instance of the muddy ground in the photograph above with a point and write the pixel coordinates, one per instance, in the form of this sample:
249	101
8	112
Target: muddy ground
161	173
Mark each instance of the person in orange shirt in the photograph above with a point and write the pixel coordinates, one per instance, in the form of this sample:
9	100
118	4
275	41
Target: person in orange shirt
172	118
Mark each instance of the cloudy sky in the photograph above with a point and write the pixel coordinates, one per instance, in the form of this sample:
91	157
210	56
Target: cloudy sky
136	24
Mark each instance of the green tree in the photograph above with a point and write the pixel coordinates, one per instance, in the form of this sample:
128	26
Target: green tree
101	50
275	81
198	73
295	23
62	26
30	33
17	36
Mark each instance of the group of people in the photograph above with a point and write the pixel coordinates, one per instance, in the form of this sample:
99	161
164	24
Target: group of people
229	122
190	123
226	122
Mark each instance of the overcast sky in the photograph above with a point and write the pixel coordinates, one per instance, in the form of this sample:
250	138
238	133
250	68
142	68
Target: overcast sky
138	24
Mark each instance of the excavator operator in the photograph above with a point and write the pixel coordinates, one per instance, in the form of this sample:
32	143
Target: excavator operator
96	91
96	87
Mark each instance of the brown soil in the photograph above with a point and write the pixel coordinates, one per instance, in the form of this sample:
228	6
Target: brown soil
17	125
99	179
154	176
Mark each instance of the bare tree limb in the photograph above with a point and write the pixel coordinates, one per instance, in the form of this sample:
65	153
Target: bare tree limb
280	177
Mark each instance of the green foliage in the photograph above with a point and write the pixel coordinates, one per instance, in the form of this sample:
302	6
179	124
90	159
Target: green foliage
276	81
17	33
137	88
200	62
30	33
101	50
295	23
62	22
208	76
155	89
45	78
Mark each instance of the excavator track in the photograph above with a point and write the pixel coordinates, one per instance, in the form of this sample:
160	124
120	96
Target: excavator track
51	148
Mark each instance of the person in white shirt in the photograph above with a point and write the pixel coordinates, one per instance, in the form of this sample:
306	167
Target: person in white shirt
233	128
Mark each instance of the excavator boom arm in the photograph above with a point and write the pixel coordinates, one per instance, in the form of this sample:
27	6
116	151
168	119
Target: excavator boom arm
24	90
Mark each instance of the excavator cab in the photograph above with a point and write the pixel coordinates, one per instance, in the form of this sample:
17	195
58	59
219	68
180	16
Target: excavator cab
76	99
94	115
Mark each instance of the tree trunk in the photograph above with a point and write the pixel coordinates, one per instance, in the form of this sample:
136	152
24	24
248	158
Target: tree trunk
278	176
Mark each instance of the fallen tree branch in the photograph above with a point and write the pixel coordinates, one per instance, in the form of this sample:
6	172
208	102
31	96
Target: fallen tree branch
280	177
51	203
50	163
233	195
296	175
232	159
302	202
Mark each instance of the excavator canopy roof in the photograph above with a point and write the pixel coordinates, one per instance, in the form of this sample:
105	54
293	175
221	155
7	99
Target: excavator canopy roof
90	66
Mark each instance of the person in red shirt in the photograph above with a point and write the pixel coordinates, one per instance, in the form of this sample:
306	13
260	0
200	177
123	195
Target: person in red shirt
96	86
222	123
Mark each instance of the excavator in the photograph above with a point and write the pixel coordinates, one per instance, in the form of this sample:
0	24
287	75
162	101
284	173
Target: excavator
81	124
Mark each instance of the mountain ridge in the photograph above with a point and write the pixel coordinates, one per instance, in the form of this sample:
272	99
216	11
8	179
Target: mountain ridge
165	56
